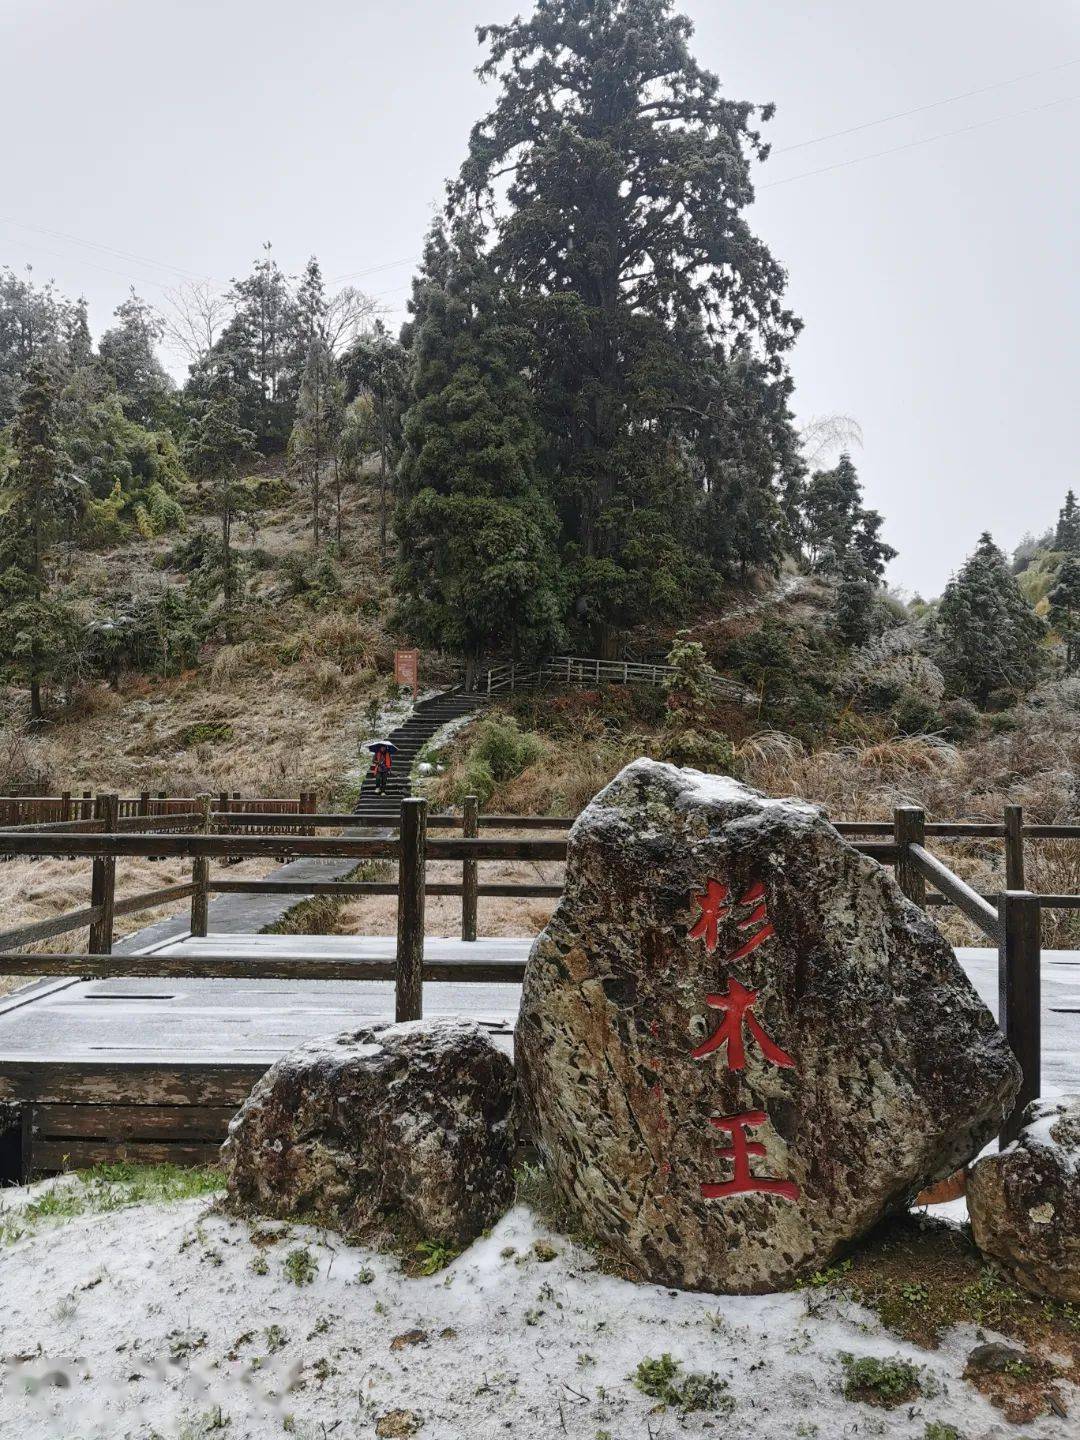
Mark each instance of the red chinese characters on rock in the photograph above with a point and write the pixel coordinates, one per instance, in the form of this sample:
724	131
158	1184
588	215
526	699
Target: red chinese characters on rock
737	1004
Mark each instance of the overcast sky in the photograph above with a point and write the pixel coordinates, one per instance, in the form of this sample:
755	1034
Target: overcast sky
939	284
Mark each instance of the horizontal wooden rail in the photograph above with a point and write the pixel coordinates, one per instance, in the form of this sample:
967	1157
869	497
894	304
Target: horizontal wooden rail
152	898
508	889
49	929
166	845
131	824
347	819
269	967
955	890
507	849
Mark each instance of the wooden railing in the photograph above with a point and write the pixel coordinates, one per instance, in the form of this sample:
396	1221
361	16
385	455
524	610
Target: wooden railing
512	676
1010	920
69	807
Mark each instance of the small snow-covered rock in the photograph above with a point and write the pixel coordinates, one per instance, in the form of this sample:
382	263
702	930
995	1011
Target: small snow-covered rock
739	1044
399	1121
1025	1203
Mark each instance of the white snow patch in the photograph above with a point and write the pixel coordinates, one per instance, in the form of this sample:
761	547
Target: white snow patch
143	1322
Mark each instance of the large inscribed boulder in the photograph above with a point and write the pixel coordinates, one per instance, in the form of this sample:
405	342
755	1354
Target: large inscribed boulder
392	1123
1025	1202
739	1045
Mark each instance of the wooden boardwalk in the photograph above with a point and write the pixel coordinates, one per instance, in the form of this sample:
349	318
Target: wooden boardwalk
154	1068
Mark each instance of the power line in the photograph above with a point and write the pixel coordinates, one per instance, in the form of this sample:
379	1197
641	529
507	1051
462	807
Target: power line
108	249
767	185
105	269
914	144
371	270
922	109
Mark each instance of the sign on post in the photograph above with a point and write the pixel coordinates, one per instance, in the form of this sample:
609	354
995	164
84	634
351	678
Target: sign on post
406	669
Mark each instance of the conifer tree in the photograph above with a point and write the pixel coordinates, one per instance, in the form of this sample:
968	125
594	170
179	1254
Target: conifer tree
475	528
128	355
614	177
215	448
1067	535
988	633
319	414
1064	601
376	364
38	632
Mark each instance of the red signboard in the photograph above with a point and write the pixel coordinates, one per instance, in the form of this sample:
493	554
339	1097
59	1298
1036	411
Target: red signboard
406	669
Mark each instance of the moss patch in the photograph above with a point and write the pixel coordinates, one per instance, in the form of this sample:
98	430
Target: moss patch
923	1277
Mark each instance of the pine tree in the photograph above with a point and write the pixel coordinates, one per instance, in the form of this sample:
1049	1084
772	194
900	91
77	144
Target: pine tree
128	355
475	530
215	447
38	632
313	440
1067	535
988	633
1064	601
623	241
376	364
259	347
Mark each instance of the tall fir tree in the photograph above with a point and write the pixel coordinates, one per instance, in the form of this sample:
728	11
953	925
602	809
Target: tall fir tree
38	631
988	634
475	527
319	415
216	447
1067	535
1064	599
377	364
615	179
128	354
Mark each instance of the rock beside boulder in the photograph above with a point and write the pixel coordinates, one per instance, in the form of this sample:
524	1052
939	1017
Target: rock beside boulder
392	1123
1025	1203
739	1045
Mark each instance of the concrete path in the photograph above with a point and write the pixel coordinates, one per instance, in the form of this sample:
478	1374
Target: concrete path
255	1021
242	914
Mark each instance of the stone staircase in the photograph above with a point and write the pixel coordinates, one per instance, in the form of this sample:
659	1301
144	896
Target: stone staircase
427	718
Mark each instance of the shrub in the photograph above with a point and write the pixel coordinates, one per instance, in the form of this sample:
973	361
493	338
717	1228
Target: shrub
960	719
915	714
205	732
703	749
504	748
315	579
476	779
1001	699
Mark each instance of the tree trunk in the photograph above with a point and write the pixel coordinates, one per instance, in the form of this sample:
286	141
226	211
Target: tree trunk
36	711
226	547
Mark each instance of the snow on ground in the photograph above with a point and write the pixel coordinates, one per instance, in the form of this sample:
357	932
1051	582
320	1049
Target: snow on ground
155	1322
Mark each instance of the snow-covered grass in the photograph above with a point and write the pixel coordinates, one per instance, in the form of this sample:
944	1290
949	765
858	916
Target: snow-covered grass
174	1319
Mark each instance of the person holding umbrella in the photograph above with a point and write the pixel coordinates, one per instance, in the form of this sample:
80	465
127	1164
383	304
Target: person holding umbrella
382	751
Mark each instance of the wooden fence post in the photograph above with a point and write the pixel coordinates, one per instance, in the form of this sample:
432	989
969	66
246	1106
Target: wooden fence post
1014	848
909	828
470	829
200	876
409	986
65	805
103	881
1019	995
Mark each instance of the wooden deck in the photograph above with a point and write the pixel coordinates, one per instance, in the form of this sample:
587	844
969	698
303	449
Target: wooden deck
153	1069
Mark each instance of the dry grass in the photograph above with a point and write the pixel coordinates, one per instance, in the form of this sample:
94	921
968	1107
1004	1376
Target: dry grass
377	914
33	890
